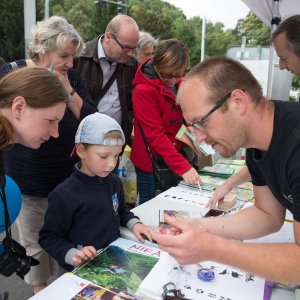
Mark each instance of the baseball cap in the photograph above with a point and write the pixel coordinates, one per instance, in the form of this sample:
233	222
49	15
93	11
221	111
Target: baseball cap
93	128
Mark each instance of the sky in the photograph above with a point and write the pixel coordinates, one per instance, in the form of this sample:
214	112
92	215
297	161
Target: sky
226	11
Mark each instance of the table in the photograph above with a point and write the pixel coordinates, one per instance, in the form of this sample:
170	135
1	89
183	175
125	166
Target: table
148	213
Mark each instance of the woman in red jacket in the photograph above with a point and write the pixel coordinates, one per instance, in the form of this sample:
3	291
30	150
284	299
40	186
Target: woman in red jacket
155	110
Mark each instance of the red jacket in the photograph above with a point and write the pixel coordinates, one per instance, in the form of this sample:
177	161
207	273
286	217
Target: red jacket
155	109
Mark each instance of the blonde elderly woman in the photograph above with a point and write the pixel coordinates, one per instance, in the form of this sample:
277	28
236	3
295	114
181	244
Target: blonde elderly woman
146	46
54	44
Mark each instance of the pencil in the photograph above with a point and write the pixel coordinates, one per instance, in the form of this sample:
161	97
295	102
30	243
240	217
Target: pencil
199	187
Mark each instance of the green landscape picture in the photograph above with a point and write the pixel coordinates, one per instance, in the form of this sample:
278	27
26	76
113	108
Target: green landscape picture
117	268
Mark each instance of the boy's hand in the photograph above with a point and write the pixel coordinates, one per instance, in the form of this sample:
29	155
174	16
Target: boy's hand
140	229
83	255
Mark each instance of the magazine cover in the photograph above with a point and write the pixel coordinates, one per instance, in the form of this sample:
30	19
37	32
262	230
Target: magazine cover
122	266
94	292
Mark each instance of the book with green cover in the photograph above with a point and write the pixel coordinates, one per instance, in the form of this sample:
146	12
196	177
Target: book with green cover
236	162
218	170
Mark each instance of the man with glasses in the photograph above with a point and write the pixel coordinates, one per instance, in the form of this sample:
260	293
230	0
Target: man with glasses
286	41
270	130
108	66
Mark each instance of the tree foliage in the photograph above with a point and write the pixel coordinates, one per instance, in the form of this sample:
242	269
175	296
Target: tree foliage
255	31
11	29
161	19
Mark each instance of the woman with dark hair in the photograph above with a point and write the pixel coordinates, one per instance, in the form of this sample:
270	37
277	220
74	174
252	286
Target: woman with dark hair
155	110
32	102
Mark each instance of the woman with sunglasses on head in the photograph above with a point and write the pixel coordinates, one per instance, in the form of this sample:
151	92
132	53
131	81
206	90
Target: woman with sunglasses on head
159	117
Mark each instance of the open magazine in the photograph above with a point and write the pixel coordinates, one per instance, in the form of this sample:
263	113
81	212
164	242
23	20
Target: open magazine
120	267
132	270
116	273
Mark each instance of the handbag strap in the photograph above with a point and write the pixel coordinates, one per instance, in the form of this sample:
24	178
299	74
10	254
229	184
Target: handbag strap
108	84
145	140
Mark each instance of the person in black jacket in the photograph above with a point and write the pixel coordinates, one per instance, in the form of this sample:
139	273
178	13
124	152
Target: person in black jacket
37	172
87	209
108	66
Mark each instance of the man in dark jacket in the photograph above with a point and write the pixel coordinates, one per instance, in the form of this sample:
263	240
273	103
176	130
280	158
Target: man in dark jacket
108	66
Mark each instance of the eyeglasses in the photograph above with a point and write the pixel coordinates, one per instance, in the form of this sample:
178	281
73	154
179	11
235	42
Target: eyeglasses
164	75
200	123
124	48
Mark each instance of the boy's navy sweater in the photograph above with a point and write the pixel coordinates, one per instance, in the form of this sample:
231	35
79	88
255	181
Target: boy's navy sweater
81	213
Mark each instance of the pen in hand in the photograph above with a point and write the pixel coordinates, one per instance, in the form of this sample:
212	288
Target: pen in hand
199	187
52	68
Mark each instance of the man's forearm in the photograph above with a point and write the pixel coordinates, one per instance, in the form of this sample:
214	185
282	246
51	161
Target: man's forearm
248	223
242	176
276	262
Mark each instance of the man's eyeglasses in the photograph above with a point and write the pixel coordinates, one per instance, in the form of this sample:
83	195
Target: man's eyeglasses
124	48
199	124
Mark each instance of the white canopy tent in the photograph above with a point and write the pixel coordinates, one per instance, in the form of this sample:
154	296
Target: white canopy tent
271	12
266	10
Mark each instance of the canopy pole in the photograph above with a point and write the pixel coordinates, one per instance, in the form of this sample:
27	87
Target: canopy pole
202	56
275	22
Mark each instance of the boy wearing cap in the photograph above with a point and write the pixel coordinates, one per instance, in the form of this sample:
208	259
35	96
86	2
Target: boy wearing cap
87	209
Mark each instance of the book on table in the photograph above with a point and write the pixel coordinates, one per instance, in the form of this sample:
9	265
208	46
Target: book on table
218	170
120	268
115	273
236	162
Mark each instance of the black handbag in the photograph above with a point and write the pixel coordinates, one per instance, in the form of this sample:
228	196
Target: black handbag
165	178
